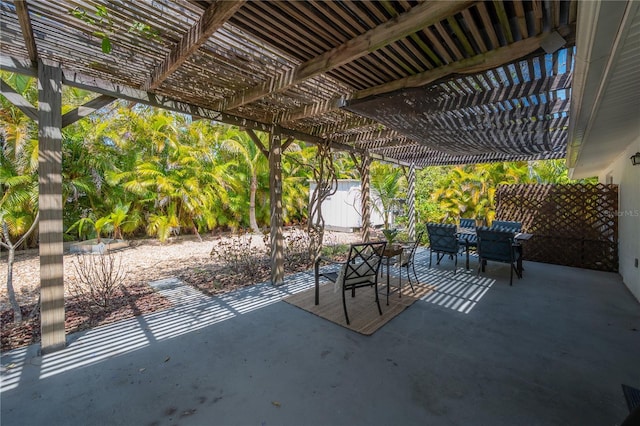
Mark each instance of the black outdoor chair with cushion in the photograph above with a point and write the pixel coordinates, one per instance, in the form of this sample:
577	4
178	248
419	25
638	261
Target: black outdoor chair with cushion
408	258
443	240
505	225
497	245
360	270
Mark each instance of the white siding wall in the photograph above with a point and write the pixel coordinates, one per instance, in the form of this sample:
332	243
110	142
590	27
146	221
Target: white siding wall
622	173
342	210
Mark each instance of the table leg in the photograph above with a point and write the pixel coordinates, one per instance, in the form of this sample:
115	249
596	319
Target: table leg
317	282
388	259
519	262
466	246
400	275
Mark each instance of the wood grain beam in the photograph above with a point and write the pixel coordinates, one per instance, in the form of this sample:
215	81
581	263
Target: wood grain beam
18	101
211	20
475	64
22	10
373	145
414	20
74	79
86	109
368	136
256	140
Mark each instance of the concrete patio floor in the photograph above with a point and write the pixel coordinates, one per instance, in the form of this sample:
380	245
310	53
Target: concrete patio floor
551	350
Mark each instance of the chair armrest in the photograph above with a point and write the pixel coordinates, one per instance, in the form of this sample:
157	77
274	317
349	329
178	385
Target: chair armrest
316	270
328	260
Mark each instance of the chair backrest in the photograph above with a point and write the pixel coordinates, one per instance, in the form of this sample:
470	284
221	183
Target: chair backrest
505	225
494	244
408	258
442	237
363	263
467	223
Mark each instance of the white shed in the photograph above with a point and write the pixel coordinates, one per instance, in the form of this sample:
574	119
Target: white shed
343	212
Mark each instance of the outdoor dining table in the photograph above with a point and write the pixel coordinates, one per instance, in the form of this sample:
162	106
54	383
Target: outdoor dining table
518	239
461	233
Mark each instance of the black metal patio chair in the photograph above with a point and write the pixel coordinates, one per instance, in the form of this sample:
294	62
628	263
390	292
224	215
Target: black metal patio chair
408	258
361	269
443	240
497	245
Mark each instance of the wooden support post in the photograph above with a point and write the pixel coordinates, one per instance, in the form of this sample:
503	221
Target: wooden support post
50	205
411	201
275	191
365	197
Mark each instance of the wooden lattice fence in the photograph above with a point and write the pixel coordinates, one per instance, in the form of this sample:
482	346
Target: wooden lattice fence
574	225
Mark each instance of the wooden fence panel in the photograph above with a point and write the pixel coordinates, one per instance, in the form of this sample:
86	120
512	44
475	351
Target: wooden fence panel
573	225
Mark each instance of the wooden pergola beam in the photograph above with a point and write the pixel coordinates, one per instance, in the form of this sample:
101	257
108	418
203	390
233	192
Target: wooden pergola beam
22	10
381	145
87	108
483	62
211	20
369	136
18	101
414	20
475	64
74	79
69	118
256	140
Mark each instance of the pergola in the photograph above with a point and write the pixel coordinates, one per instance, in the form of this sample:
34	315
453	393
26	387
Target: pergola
408	82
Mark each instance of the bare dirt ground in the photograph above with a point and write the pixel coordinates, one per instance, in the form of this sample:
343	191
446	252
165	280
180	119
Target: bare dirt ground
211	266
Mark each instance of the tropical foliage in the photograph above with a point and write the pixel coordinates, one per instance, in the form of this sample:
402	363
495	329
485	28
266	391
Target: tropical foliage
389	185
445	194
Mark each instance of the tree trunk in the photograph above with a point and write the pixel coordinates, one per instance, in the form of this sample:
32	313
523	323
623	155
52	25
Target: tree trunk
195	230
252	204
17	313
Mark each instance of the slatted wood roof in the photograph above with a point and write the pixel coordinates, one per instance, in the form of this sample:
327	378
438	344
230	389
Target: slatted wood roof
410	81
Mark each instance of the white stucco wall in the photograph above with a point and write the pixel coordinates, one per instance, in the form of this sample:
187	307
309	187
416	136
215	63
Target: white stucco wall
622	173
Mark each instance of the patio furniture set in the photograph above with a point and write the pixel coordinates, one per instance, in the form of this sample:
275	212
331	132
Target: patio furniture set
502	242
364	266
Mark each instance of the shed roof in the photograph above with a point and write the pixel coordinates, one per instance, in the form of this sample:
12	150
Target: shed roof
414	82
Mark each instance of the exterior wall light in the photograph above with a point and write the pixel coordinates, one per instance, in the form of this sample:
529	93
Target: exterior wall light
635	159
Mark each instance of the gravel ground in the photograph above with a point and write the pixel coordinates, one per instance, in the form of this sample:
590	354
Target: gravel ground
144	261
